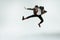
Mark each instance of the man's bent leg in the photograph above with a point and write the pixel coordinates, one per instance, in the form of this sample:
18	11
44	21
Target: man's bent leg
40	17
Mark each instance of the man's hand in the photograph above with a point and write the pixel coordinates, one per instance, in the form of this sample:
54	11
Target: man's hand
25	7
28	8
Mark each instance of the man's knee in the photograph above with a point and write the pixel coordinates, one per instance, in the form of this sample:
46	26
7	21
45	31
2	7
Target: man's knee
42	21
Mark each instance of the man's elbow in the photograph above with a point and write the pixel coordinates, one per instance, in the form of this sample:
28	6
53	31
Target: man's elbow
45	11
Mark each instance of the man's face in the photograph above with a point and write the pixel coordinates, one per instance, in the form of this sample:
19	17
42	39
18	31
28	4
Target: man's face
36	7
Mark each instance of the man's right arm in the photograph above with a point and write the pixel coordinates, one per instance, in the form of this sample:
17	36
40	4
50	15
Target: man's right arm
29	8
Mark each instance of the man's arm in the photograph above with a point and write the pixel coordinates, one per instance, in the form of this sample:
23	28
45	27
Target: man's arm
29	8
43	12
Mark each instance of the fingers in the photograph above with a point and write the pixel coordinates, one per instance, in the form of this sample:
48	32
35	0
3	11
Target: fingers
25	7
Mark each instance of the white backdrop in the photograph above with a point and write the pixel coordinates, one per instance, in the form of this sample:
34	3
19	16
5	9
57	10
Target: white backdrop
12	27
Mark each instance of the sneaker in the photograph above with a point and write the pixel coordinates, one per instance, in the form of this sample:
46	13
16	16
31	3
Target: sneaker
23	18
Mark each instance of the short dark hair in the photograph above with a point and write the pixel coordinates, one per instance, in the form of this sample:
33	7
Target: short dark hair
36	5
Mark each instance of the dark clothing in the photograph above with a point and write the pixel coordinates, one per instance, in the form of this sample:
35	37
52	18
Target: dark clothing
34	10
39	16
35	13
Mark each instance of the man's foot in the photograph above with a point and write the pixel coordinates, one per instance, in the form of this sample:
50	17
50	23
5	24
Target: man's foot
23	18
39	25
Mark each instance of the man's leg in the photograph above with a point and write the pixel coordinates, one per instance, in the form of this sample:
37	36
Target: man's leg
28	17
40	17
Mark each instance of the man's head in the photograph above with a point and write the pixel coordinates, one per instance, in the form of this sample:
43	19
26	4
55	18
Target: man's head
36	6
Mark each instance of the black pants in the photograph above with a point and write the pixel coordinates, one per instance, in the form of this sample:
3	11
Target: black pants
39	16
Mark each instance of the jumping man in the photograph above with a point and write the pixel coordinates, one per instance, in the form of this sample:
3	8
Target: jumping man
38	11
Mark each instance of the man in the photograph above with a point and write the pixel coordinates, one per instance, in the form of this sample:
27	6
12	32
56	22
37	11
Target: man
38	11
